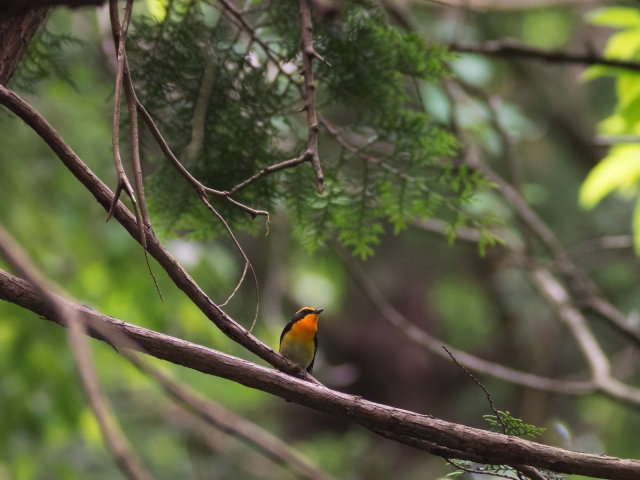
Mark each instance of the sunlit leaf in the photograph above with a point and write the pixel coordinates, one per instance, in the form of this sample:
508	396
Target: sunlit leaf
620	17
620	171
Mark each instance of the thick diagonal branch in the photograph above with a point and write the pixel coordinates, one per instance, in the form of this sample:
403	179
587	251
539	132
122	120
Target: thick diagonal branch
178	275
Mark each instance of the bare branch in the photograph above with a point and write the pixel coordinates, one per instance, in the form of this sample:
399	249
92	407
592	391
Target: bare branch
294	162
71	318
586	290
421	431
308	54
599	364
199	188
512	49
232	423
120	33
434	345
178	275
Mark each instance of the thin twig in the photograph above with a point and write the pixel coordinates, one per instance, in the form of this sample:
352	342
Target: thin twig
237	18
334	132
434	345
486	392
244	255
308	54
199	188
267	171
117	444
123	76
120	33
511	49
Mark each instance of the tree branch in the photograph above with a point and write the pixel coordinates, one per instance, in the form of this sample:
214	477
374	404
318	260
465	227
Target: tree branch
308	54
232	423
71	317
434	345
421	431
512	49
178	275
123	181
585	288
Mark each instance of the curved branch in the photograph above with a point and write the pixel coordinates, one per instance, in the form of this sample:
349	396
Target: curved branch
232	423
421	431
434	345
178	275
581	284
70	317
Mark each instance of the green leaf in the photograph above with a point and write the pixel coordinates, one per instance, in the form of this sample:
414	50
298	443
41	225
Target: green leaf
617	17
636	226
624	45
512	426
620	170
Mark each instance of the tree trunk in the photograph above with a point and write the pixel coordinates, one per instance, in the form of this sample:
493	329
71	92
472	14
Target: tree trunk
16	32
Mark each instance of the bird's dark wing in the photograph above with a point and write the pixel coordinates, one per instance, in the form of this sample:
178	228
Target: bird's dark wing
287	327
315	349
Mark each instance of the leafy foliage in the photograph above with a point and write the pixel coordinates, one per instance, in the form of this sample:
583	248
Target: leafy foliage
510	425
394	168
466	467
619	171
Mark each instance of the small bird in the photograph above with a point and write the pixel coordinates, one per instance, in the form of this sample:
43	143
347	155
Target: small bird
299	339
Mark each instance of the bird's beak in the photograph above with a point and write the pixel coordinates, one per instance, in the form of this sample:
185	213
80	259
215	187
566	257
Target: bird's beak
319	311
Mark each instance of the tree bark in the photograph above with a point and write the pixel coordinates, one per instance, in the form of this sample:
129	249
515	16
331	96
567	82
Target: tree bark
16	32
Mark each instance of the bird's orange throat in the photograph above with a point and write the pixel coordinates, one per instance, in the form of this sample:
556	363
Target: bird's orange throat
305	328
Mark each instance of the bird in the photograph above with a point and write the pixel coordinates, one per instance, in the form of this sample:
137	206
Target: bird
299	339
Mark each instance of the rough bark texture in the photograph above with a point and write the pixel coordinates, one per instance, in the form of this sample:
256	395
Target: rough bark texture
23	6
16	31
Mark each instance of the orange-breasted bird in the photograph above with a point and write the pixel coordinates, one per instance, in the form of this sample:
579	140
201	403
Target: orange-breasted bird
299	339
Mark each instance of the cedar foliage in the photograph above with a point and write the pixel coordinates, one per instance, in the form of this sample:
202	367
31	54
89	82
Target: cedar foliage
368	86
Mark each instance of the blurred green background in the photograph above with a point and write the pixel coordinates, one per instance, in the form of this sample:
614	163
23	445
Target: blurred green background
481	304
